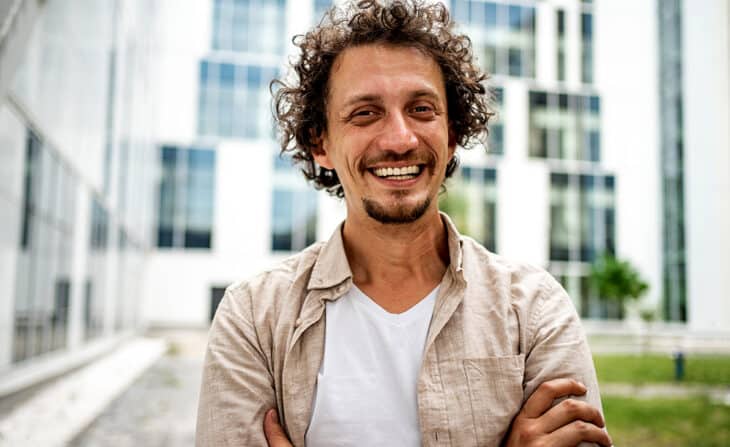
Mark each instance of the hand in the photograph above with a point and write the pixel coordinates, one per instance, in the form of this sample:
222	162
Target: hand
565	425
275	435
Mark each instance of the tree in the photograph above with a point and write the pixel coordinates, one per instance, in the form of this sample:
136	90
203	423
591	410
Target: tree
617	280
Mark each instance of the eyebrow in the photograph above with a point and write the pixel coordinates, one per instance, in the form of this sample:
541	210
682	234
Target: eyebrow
368	97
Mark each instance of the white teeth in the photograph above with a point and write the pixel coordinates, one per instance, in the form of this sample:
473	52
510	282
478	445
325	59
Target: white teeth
397	172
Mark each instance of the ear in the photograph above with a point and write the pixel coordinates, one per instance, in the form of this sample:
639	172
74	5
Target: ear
320	151
452	142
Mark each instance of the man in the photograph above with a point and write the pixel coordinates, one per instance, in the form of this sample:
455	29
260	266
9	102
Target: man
397	331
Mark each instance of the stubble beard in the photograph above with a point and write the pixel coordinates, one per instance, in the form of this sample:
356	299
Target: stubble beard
399	215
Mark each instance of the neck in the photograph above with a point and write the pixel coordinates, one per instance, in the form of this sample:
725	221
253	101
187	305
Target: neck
395	255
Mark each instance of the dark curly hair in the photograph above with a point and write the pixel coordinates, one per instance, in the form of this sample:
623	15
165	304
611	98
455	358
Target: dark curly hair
300	109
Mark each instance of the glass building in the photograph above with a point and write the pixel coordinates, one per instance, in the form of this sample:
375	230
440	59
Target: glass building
77	175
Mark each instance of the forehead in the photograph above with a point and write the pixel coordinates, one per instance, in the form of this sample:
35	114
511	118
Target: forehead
383	70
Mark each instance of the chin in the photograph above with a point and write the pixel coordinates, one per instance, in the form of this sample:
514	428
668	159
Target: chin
398	214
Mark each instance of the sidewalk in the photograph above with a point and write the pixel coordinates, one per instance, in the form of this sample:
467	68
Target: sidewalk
717	394
144	393
159	409
56	412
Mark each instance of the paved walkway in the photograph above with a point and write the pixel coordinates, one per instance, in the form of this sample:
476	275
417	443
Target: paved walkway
717	394
55	413
160	408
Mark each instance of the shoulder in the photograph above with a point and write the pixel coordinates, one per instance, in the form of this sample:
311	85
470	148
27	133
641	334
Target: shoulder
521	278
281	283
513	286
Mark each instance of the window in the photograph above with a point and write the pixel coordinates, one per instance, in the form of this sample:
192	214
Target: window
495	142
252	26
294	209
582	228
186	195
561	45
43	287
581	216
586	31
234	100
471	202
94	302
564	126
503	35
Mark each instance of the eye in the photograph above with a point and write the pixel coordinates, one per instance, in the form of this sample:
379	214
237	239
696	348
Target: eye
363	116
423	110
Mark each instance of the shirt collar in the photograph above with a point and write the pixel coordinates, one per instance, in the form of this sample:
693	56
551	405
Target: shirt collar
331	267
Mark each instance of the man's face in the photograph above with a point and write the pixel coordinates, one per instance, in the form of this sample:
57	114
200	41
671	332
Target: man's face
388	135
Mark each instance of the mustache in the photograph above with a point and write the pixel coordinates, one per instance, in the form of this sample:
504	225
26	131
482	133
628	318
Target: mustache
412	157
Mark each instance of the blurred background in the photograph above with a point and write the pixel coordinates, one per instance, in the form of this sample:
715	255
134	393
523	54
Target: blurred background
140	176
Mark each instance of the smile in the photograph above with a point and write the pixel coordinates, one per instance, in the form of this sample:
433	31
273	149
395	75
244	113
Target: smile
400	173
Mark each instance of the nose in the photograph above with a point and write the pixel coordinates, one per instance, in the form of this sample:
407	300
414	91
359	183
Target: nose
397	134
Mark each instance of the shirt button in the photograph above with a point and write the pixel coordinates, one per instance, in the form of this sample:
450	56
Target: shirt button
298	322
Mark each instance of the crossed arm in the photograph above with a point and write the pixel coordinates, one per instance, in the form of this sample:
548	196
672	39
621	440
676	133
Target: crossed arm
539	423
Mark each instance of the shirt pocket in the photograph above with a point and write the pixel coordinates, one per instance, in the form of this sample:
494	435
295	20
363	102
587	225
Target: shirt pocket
495	393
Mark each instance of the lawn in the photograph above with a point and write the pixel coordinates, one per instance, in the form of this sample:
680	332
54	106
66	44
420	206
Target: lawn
667	422
656	368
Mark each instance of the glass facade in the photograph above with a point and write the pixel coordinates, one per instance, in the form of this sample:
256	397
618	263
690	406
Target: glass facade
74	124
503	35
249	26
186	197
43	273
565	126
674	304
294	208
234	100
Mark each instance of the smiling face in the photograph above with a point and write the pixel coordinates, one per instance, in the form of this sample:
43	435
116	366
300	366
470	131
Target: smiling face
387	133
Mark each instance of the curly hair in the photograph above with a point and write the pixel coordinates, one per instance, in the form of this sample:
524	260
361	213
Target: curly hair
300	108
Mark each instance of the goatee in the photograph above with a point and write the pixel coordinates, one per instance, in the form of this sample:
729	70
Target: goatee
401	214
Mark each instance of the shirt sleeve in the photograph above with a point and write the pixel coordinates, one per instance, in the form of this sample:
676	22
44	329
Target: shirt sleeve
558	347
237	385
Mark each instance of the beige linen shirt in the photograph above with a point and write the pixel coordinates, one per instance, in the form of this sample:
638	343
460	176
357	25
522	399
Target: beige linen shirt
499	329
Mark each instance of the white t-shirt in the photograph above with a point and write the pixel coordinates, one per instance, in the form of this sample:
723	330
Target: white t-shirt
367	385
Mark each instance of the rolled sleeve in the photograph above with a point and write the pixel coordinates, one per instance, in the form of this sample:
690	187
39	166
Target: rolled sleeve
237	385
558	347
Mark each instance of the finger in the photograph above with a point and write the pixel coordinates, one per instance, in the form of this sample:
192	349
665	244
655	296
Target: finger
568	411
543	397
275	435
577	432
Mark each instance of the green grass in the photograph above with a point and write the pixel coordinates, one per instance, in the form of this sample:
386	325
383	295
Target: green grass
653	368
667	422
